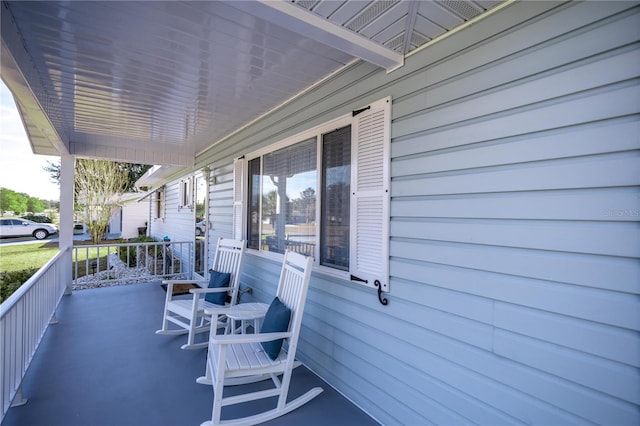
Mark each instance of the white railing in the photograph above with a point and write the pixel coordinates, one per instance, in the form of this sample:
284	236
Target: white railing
124	263
25	315
24	318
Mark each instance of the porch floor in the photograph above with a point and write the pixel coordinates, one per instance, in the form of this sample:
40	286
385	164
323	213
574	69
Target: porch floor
103	364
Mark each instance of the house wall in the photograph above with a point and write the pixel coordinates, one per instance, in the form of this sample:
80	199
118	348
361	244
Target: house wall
514	225
220	208
134	216
178	223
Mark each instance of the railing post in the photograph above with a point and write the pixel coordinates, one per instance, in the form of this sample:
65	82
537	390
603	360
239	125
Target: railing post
67	178
19	399
54	319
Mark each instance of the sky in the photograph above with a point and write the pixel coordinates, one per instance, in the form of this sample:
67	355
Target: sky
20	169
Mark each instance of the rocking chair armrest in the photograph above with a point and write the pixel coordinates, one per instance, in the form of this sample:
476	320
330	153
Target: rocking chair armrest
184	282
209	290
228	339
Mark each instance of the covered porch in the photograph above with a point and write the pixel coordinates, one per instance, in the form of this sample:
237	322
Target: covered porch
512	204
102	364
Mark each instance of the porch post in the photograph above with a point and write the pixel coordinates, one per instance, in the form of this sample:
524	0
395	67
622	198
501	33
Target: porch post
67	178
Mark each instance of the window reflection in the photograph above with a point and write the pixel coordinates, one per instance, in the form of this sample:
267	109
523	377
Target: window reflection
284	195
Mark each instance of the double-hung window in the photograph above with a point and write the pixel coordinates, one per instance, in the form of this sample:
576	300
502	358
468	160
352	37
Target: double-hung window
323	193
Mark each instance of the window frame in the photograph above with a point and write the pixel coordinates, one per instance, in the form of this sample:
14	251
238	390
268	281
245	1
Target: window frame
317	132
366	275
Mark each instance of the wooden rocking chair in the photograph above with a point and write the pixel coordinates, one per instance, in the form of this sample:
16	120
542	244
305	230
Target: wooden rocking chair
189	313
237	359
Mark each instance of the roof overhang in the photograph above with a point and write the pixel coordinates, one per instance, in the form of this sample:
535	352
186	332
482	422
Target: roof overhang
160	82
299	20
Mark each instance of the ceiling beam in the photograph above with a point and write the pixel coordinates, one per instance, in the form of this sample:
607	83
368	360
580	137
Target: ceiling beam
307	24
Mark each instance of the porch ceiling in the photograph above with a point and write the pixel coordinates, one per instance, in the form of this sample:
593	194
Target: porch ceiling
158	82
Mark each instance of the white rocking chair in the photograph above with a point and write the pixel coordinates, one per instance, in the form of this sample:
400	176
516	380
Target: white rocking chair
237	359
189	314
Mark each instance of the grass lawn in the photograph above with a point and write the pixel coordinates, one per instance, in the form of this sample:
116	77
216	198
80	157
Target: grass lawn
28	258
25	256
20	261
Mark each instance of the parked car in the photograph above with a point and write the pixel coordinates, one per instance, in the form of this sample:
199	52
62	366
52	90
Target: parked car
201	228
24	228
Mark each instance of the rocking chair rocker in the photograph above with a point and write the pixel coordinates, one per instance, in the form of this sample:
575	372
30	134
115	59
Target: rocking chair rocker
237	359
189	314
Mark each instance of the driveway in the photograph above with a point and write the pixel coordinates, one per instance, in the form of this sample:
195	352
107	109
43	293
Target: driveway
31	240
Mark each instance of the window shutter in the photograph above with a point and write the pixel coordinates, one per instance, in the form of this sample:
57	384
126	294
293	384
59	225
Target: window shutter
238	198
370	181
190	192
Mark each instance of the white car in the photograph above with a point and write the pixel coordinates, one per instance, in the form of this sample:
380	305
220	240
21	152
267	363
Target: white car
201	228
24	228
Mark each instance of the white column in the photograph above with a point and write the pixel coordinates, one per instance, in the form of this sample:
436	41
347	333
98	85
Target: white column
67	178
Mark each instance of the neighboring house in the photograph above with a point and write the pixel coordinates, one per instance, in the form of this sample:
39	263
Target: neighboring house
490	185
513	237
126	218
130	217
172	211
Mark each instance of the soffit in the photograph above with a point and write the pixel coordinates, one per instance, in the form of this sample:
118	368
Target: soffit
159	82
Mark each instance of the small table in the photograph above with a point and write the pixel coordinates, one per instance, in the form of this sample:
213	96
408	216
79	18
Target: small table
246	312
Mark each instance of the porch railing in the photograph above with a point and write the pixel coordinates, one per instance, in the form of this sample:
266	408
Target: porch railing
25	315
124	263
24	318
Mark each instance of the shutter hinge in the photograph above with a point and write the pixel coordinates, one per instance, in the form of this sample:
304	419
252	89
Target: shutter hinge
358	111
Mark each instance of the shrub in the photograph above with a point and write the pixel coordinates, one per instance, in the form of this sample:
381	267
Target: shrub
132	260
11	281
37	218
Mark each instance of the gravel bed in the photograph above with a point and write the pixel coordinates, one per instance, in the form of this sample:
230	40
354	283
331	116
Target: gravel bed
116	274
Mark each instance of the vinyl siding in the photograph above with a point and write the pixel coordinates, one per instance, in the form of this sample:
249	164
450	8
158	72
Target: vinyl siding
178	223
515	234
220	208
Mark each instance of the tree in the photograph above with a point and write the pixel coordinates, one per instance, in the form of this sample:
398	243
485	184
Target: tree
98	185
133	172
36	205
306	204
19	202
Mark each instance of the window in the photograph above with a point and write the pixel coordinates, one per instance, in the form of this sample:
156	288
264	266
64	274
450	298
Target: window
185	195
159	203
323	193
336	193
282	199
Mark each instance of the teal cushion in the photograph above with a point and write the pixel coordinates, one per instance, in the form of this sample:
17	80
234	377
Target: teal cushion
275	321
217	280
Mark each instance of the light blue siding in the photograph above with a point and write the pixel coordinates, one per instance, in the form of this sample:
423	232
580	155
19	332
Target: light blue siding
178	223
515	233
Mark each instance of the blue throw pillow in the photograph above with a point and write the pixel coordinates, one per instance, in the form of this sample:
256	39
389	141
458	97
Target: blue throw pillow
276	320
217	280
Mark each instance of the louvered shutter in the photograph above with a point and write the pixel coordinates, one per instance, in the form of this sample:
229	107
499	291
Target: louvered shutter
238	198
370	181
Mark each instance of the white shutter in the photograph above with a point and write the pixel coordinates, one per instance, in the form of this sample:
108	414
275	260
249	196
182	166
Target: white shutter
370	181
189	199
238	198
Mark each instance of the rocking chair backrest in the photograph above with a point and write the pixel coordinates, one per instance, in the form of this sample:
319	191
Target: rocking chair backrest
292	290
228	258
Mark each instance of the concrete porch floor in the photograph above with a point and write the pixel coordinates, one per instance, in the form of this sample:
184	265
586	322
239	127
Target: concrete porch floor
103	365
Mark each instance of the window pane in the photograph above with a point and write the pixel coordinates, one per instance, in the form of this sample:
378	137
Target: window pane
253	220
336	187
289	182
